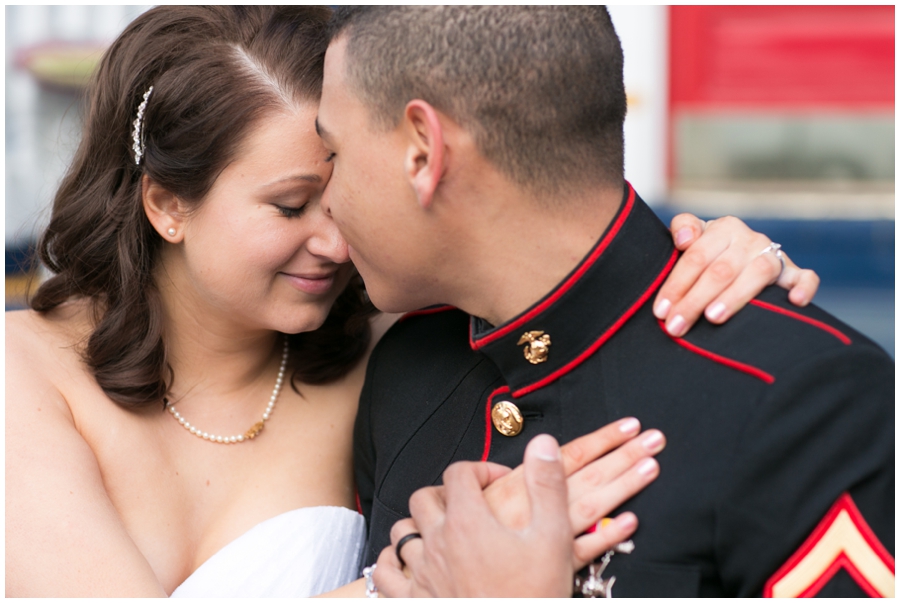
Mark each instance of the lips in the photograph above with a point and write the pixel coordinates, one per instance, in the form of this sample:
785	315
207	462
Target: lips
313	283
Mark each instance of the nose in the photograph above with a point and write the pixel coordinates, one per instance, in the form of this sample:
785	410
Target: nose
327	241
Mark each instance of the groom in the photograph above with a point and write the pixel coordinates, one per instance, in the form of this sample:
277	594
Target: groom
478	162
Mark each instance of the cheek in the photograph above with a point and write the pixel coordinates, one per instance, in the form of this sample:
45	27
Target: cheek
270	237
231	250
273	246
217	229
358	179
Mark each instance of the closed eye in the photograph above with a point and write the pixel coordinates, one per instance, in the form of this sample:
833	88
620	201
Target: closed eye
330	157
291	212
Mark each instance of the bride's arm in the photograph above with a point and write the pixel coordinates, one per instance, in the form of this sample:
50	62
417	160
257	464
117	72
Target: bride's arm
721	270
63	536
355	589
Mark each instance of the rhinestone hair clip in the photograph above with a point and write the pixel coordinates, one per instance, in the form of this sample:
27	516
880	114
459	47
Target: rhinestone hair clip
137	135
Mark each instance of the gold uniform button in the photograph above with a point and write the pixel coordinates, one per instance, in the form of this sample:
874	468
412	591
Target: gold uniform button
507	418
537	346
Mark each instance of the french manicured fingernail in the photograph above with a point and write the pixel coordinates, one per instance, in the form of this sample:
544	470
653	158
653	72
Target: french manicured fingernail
646	467
630	425
662	309
626	521
545	448
716	311
653	441
676	326
683	236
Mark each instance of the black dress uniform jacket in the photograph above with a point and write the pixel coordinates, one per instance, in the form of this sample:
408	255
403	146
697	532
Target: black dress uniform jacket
778	475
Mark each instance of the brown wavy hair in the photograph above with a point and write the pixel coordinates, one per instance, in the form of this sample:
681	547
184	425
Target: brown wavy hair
215	71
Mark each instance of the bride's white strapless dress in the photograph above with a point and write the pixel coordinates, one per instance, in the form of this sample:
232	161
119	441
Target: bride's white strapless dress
299	553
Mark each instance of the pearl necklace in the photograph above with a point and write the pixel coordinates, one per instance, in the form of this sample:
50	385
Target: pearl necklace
257	427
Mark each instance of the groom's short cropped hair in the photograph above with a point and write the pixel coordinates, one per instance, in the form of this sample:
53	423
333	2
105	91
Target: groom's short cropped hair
539	87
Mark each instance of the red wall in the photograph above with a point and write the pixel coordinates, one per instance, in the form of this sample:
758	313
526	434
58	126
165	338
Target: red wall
781	57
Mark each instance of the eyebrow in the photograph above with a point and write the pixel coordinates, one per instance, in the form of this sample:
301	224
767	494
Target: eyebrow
314	178
322	132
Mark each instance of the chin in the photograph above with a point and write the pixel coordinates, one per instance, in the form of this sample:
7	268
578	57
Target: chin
294	327
300	320
394	297
386	300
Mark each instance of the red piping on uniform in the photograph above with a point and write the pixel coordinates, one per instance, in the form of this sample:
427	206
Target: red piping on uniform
851	569
740	366
864	529
358	503
487	421
812	321
841	561
598	251
426	311
843	503
604	337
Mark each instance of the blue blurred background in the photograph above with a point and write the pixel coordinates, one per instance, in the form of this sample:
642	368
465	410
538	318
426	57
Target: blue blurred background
780	115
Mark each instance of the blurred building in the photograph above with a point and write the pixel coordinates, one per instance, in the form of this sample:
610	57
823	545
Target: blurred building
51	52
781	115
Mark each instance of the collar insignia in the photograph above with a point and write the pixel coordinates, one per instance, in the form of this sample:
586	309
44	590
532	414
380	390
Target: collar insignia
537	346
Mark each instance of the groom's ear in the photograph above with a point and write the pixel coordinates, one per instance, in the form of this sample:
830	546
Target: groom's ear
425	153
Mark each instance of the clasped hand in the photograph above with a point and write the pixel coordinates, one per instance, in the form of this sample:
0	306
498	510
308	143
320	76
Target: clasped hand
491	531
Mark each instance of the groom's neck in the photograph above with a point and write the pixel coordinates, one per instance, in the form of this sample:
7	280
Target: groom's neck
521	250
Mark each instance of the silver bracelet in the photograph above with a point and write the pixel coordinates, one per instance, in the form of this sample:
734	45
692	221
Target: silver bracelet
594	585
371	589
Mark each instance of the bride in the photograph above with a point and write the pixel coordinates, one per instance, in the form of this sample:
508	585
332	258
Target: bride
180	399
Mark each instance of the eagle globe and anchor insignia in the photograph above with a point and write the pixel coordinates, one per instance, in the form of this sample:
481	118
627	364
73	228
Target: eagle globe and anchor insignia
537	346
507	419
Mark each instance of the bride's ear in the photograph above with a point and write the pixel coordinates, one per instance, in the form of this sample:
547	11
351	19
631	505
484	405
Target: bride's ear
163	209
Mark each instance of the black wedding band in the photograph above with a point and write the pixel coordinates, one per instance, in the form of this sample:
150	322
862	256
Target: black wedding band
404	540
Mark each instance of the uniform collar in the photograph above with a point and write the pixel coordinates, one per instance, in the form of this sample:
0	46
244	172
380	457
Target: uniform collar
620	273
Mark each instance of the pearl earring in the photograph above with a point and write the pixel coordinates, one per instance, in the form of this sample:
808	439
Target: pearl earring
172	232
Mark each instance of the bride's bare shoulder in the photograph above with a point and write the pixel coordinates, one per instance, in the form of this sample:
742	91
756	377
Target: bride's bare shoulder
52	472
67	324
44	346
